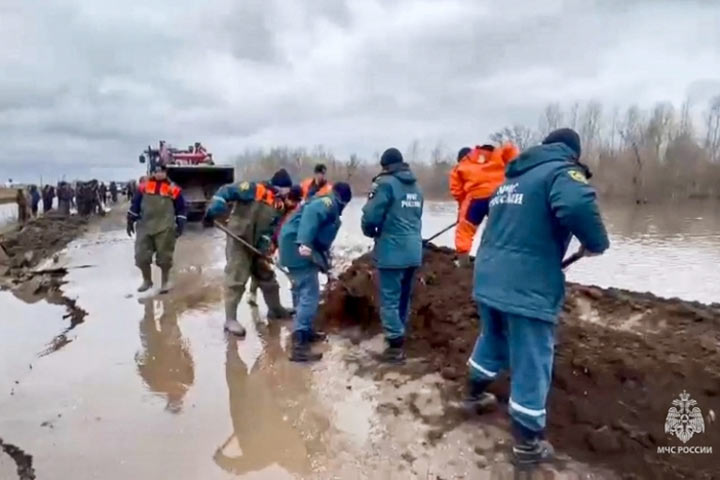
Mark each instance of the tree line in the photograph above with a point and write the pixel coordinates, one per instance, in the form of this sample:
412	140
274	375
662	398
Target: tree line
635	154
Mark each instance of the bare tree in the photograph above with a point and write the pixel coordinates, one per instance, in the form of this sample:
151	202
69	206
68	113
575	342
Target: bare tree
439	155
520	135
712	133
660	128
351	166
574	115
551	119
413	152
633	135
685	126
590	125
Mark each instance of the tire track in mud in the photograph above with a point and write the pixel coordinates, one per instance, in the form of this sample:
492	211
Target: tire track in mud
23	461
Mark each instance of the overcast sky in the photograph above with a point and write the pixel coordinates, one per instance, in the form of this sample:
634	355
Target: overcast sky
87	84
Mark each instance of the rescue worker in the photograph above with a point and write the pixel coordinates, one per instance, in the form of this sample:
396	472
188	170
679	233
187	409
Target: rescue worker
48	194
392	218
257	209
291	202
65	197
22	204
519	283
159	210
113	192
317	185
305	242
102	192
472	182
34	200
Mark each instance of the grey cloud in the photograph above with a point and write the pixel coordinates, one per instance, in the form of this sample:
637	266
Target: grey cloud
89	84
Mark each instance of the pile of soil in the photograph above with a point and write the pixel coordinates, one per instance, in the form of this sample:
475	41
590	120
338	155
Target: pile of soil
38	239
23	461
621	359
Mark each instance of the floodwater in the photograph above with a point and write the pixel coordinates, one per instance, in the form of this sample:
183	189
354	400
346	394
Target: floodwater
9	211
671	250
152	388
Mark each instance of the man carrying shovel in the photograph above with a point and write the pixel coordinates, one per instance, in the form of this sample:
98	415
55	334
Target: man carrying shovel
257	207
519	284
305	241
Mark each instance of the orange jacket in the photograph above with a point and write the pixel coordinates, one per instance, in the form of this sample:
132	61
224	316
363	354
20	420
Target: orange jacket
309	189
480	172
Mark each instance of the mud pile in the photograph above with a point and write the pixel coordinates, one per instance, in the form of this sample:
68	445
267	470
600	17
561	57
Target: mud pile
621	359
40	238
23	461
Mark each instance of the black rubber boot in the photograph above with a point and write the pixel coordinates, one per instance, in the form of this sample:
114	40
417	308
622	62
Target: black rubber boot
533	452
477	400
317	336
275	309
530	447
147	279
233	327
395	351
301	351
164	280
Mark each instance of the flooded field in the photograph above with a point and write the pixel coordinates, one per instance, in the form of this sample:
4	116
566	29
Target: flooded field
151	388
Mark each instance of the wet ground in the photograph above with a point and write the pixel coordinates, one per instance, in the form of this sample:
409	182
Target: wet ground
152	388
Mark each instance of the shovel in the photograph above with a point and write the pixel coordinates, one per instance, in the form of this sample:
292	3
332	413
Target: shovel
573	258
257	252
425	242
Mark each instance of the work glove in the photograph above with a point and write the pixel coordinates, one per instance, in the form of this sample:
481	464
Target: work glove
179	227
208	221
265	244
322	261
130	226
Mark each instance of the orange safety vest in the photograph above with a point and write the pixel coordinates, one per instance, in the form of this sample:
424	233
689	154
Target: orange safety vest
308	182
164	188
265	195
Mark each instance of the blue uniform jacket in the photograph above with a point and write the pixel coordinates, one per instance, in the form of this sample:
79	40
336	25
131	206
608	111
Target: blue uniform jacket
315	224
544	201
392	217
243	192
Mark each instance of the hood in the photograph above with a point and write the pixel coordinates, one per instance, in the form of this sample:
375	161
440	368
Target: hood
538	155
401	171
338	202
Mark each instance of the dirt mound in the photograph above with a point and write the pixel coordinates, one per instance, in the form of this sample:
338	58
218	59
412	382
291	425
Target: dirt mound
22	460
621	360
39	239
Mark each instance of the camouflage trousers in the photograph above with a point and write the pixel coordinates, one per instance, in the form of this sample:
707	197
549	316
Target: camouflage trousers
161	244
243	265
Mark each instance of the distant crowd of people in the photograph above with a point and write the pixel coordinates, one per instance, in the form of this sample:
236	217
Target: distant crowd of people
85	198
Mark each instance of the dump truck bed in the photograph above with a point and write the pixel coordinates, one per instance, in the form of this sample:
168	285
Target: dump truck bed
199	183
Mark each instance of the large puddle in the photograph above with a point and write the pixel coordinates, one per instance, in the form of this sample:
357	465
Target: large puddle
153	389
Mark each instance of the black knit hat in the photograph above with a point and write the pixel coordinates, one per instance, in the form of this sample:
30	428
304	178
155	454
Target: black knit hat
568	136
281	179
320	168
295	193
390	157
343	191
463	151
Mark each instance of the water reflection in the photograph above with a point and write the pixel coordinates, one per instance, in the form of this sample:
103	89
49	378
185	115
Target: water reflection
263	433
165	362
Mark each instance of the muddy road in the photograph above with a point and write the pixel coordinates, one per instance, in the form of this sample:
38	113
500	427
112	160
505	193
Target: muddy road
151	388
